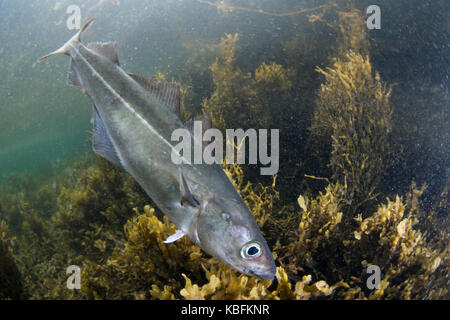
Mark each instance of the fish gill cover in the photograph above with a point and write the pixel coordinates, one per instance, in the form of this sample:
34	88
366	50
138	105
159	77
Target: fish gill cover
364	147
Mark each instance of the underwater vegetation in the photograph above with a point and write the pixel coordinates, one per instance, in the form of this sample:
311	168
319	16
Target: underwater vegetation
335	208
322	254
339	249
353	119
11	286
240	99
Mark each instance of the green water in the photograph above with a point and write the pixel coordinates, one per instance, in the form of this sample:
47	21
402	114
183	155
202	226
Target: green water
42	120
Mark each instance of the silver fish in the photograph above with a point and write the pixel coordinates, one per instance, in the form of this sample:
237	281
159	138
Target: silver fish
134	118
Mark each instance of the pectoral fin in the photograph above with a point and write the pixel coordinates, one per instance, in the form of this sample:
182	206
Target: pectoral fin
174	237
186	195
73	77
193	228
101	142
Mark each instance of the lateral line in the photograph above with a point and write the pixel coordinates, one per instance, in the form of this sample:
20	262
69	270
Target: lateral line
130	108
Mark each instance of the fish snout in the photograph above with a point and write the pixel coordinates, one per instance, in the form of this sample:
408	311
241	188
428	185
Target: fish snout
265	269
268	274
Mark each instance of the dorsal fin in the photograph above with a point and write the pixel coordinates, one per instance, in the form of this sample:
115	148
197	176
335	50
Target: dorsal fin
106	49
101	142
167	93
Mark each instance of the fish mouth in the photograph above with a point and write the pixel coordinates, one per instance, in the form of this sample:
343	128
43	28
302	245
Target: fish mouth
265	269
265	275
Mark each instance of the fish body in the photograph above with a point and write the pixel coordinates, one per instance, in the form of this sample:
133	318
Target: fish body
134	118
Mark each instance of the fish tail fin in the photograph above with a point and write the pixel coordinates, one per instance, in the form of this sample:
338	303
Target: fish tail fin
65	48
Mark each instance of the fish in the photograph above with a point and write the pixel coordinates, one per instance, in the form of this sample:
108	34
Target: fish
134	117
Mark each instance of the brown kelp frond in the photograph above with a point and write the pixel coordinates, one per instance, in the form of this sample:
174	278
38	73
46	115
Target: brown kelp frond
225	283
353	116
413	264
350	27
143	262
243	100
406	251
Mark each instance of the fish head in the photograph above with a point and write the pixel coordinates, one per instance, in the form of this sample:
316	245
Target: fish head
226	229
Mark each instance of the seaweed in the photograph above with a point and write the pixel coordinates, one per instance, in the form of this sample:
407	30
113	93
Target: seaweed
227	284
348	24
320	253
230	102
411	265
11	282
414	263
243	99
140	266
260	98
94	208
353	119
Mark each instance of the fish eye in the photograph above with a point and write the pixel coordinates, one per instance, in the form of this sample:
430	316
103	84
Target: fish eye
251	250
